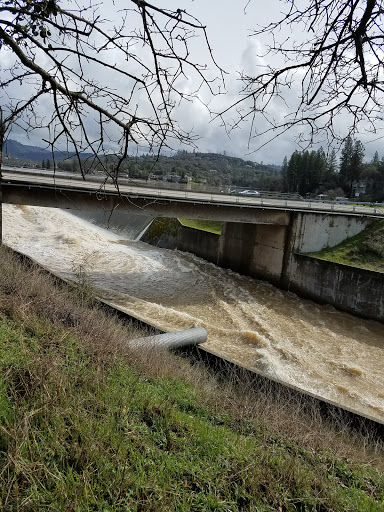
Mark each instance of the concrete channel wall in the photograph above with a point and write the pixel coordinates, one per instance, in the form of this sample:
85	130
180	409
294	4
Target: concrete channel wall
355	290
316	231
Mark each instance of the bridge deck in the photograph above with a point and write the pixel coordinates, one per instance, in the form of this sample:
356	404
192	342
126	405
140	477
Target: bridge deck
63	191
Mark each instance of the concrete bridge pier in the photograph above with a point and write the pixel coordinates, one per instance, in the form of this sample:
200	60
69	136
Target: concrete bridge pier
256	250
267	251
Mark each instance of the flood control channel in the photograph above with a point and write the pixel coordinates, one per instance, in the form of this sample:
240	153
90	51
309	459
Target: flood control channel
316	348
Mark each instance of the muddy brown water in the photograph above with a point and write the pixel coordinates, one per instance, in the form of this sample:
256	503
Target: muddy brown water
335	355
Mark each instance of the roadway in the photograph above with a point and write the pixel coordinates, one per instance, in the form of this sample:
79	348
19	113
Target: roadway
66	181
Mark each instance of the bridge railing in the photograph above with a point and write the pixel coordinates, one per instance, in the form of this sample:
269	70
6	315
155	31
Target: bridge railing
216	194
210	189
237	192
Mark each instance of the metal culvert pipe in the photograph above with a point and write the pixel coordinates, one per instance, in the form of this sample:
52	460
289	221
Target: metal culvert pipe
176	339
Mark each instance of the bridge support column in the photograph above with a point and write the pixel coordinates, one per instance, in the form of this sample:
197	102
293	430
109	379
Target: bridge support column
256	250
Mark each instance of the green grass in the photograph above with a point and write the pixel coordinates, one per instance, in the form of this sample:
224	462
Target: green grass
211	226
365	250
88	425
82	434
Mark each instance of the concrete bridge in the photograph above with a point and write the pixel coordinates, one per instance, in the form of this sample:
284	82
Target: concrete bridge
259	235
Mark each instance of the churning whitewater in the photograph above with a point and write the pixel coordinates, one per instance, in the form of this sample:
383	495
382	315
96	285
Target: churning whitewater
316	348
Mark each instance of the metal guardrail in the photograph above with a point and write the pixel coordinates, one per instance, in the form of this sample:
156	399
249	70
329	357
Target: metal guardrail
165	185
236	192
348	202
209	189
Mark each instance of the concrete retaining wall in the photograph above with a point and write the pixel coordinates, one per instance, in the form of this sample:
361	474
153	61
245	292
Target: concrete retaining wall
350	289
315	231
265	251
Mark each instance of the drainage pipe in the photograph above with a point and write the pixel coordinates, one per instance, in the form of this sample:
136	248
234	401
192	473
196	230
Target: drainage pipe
176	339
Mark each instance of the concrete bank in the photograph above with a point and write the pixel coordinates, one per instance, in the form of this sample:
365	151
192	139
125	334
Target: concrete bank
274	254
354	290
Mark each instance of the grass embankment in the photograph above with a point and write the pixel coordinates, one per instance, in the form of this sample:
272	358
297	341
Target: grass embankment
211	226
89	424
365	250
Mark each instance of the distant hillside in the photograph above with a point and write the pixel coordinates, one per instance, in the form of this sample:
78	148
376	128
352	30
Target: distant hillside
34	153
14	148
215	169
212	168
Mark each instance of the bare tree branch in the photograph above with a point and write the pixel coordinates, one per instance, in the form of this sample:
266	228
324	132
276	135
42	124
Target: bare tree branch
333	72
109	86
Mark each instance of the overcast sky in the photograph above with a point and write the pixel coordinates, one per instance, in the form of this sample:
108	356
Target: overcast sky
229	25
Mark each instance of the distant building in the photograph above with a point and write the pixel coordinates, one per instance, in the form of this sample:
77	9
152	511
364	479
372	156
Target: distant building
359	188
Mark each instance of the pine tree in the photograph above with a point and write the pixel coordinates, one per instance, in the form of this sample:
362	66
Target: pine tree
351	163
284	174
293	172
331	162
376	160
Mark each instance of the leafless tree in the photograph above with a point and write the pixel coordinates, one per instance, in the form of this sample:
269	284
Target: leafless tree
102	85
323	66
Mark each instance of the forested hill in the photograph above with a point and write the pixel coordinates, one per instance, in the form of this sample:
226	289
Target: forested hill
210	168
213	168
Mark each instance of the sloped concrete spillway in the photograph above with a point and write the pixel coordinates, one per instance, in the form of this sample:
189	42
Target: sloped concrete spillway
315	348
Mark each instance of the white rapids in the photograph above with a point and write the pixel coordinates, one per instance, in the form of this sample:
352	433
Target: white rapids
316	348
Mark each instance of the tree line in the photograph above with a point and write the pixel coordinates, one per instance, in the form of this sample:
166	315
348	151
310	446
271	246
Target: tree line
316	172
